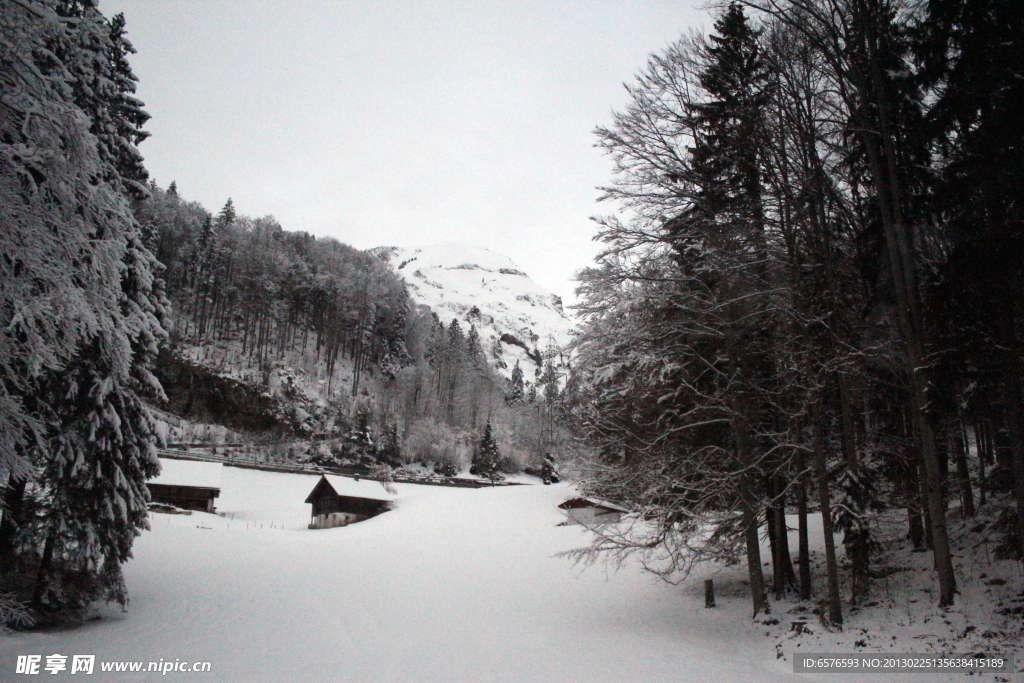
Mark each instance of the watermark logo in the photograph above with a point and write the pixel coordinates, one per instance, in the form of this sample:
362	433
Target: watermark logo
28	664
31	665
83	664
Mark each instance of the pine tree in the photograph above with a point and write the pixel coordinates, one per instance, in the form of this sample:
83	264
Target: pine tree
678	329
126	113
728	218
548	472
227	215
104	86
359	442
884	98
549	379
199	252
515	386
725	159
454	366
478	374
390	451
45	287
488	459
93	444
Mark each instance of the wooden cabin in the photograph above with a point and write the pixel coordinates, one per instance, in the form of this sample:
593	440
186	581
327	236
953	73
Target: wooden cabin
591	511
340	501
187	484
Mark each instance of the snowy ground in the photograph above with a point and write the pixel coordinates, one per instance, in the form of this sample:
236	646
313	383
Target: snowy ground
453	585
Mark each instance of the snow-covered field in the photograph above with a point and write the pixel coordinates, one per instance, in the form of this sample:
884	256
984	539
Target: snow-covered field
453	585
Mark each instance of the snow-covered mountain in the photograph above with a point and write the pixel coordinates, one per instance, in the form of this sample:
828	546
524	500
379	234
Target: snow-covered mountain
517	319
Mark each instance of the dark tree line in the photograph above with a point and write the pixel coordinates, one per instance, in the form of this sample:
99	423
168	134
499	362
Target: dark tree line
814	296
249	282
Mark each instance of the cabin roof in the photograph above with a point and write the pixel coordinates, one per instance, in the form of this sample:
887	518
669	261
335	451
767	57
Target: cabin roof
333	484
575	503
188	473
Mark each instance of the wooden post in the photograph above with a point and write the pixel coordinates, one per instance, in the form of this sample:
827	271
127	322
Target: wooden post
709	593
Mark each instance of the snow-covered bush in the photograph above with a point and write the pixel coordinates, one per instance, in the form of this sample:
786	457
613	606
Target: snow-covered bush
13	614
512	460
434	443
385	475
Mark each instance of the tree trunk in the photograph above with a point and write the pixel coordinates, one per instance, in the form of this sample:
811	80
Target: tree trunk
43	574
832	567
778	585
750	516
857	540
915	523
14	495
804	556
709	593
979	450
1015	420
785	577
963	474
999	447
754	572
920	490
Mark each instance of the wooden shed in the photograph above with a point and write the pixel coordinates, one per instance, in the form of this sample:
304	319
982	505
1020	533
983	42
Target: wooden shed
591	511
340	501
187	484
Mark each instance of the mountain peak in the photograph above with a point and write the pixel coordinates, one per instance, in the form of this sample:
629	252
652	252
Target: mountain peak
517	319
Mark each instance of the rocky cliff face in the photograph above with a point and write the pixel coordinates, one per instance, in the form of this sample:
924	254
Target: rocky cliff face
518	320
200	394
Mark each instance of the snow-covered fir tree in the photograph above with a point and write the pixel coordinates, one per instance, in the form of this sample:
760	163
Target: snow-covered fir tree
73	237
548	471
515	391
359	441
487	462
390	449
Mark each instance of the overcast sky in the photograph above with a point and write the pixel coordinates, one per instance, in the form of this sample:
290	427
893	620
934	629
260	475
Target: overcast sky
398	123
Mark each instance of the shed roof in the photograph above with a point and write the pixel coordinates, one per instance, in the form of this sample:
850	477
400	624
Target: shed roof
574	503
349	487
188	473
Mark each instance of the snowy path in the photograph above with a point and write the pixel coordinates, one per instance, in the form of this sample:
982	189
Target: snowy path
454	585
